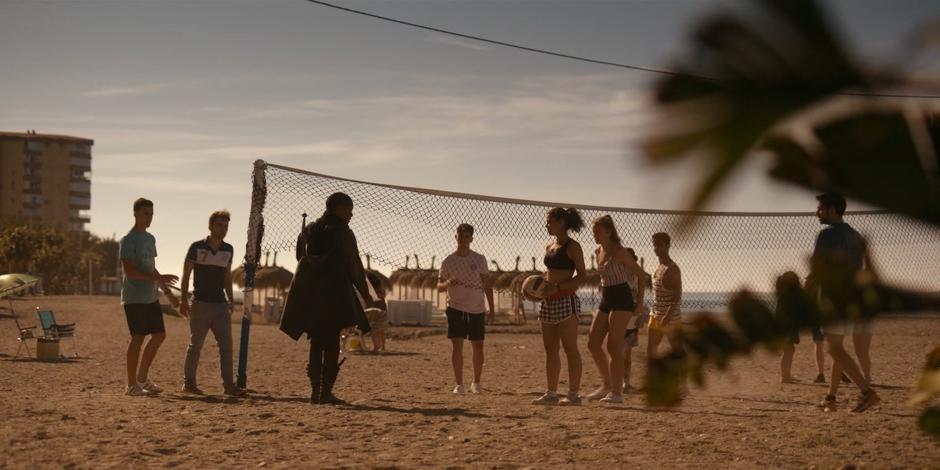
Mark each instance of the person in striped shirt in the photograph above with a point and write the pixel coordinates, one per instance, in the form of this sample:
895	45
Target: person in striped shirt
667	295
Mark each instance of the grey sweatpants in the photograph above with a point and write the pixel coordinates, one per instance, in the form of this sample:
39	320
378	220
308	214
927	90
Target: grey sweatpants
205	316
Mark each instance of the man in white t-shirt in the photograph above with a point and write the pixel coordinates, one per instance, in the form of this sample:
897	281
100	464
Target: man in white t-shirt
465	278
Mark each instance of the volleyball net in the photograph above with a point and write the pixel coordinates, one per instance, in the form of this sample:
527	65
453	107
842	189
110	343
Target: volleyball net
405	232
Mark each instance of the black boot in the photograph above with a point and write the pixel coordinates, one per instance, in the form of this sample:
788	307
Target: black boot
314	372
330	373
314	391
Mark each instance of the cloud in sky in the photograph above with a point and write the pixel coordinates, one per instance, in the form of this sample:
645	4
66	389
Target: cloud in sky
452	41
130	90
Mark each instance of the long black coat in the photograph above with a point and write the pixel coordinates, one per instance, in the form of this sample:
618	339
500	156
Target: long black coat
322	298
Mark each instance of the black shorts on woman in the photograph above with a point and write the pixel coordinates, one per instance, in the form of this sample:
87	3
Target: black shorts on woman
616	298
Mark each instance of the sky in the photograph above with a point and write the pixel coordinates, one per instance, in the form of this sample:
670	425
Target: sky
182	97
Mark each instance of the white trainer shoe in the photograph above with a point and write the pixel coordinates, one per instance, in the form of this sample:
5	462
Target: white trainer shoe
548	398
476	388
612	398
459	390
573	399
149	387
597	394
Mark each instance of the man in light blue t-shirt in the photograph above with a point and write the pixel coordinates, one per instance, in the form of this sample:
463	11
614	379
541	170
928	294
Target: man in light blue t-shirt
140	301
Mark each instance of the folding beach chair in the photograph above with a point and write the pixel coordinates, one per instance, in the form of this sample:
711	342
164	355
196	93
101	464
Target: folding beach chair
53	330
25	334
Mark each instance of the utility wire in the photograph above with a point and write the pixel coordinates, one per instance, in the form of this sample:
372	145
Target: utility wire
580	58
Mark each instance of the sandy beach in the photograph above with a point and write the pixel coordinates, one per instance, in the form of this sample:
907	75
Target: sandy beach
73	413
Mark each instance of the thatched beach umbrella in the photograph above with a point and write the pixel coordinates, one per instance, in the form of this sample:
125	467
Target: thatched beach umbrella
384	283
495	275
502	282
516	287
273	277
419	279
430	278
409	276
238	276
396	275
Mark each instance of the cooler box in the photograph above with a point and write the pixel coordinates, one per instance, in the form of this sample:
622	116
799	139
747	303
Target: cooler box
47	349
409	311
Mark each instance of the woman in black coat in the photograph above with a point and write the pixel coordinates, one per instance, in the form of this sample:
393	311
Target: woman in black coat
322	299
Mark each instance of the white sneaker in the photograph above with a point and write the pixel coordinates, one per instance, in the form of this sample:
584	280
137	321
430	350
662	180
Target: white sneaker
459	390
597	394
476	388
612	398
549	398
134	391
149	387
573	399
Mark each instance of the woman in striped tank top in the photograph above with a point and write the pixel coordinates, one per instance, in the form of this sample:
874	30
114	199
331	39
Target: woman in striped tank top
617	307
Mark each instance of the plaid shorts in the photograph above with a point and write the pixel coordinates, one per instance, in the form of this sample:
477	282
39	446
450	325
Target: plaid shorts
559	309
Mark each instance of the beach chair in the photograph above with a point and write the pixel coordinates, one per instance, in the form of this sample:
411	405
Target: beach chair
53	330
25	334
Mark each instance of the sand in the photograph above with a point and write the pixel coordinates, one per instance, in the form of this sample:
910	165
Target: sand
73	414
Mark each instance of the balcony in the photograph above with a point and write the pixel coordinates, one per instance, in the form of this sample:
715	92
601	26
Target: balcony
80	163
78	202
80	149
80	185
35	145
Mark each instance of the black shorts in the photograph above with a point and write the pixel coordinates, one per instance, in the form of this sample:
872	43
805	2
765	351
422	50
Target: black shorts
616	298
817	336
465	325
144	319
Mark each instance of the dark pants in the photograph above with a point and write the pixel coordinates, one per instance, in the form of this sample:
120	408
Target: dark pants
323	366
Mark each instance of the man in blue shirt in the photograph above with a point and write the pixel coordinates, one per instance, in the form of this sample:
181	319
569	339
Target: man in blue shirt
140	301
839	255
211	261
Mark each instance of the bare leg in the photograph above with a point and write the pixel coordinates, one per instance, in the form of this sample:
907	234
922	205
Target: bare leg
133	355
861	339
550	340
836	378
654	337
820	357
150	352
599	327
786	364
618	328
627	366
477	360
456	358
843	361
568	332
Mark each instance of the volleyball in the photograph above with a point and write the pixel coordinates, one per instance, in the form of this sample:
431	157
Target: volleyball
534	287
